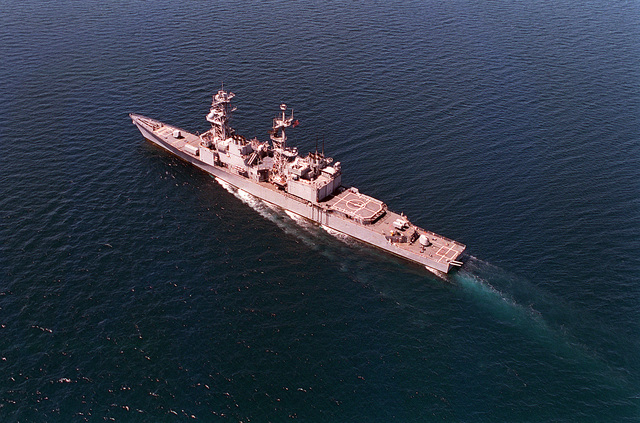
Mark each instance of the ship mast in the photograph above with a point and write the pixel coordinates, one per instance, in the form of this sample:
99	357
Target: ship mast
220	115
281	153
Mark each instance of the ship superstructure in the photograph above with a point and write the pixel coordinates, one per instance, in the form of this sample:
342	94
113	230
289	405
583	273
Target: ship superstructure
310	186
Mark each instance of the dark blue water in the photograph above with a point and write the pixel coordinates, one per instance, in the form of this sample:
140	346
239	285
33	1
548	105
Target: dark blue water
133	287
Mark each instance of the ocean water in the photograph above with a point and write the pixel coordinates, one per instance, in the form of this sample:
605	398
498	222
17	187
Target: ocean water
134	287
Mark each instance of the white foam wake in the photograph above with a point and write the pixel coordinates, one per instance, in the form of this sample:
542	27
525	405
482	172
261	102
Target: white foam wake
339	235
253	202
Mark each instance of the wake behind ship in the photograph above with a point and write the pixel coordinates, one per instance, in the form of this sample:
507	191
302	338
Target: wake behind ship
309	186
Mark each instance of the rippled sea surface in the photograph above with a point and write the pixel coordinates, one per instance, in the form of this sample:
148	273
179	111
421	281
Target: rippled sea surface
134	287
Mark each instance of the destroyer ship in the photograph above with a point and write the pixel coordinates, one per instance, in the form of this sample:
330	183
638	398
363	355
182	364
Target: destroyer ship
309	186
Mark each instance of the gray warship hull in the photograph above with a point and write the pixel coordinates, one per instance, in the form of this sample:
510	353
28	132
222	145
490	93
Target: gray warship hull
439	254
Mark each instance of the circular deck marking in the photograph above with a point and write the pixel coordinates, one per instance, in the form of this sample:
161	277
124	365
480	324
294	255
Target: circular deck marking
358	206
355	204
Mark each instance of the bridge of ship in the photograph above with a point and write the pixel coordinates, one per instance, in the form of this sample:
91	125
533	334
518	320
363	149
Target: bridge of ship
358	206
